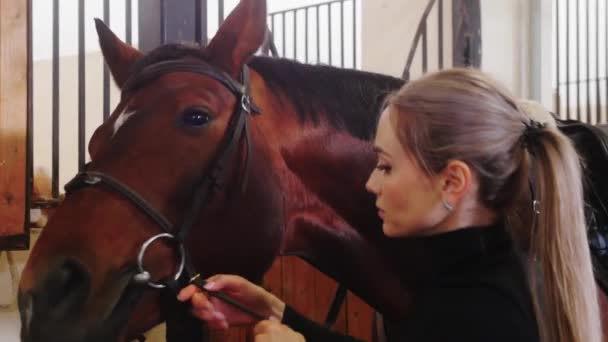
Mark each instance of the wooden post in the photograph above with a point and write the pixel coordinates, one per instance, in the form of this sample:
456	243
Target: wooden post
14	175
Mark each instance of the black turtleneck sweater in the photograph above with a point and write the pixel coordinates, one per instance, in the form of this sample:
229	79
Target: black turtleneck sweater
477	291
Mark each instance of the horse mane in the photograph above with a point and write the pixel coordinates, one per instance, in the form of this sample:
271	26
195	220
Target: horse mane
349	100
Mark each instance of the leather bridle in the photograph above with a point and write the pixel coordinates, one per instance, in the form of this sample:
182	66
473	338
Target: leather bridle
211	180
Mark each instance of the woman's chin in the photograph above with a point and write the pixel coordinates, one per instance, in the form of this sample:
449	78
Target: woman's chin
389	230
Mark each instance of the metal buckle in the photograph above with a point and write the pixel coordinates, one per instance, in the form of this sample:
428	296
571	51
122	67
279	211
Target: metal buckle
536	207
91	180
144	276
246	103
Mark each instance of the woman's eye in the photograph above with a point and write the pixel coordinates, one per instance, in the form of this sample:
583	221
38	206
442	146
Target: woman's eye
196	117
384	168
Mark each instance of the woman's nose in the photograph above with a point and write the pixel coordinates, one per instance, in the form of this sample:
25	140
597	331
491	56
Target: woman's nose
372	184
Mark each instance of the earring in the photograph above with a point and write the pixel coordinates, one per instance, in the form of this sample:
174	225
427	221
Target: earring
447	205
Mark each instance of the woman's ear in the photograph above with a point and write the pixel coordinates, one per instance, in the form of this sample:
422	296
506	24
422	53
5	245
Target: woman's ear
455	181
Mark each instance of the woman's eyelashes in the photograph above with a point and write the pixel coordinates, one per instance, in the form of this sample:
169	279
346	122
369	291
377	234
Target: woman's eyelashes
383	167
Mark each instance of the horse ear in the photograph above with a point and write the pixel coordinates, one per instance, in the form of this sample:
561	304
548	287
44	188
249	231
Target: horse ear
240	36
118	55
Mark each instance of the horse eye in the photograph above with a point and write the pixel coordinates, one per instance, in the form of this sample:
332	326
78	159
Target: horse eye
196	117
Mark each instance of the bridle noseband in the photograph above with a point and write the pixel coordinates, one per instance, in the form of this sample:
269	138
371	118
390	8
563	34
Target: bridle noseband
212	179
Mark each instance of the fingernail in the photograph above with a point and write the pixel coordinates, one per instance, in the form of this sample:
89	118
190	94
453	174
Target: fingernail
209	286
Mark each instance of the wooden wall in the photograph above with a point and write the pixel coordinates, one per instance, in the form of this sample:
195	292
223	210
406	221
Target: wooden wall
311	293
13	123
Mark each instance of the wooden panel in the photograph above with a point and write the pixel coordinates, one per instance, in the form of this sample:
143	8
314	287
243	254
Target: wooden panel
13	123
310	292
360	318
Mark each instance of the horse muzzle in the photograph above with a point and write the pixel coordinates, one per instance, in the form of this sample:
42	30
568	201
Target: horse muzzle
55	310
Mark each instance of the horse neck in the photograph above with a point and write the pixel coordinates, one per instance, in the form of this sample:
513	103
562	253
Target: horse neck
329	218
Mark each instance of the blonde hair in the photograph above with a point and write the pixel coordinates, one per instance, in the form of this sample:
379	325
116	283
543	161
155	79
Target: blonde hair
463	114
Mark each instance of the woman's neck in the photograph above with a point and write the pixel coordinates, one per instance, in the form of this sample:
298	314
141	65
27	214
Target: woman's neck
465	217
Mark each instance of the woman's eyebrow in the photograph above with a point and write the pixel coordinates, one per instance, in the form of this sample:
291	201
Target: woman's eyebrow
379	150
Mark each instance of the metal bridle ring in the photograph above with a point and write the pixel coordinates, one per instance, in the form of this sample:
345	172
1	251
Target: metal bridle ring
246	103
142	253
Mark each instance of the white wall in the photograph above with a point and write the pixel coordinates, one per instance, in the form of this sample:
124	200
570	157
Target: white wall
388	30
507	40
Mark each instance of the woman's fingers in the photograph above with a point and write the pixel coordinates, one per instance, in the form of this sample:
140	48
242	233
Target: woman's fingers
187	292
264	327
226	283
220	314
203	309
201	302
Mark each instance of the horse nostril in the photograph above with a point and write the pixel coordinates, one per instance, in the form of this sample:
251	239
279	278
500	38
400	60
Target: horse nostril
69	281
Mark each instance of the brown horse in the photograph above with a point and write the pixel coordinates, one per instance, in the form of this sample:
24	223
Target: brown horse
292	184
305	156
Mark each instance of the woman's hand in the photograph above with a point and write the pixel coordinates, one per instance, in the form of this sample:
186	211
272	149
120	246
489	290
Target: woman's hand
222	315
272	331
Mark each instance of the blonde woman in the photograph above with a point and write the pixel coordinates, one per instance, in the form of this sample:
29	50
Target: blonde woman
497	199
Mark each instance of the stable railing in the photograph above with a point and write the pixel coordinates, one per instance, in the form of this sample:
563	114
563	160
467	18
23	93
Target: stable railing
581	60
320	33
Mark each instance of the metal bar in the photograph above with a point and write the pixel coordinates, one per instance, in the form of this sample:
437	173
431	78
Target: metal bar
306	7
128	22
466	22
272	25
82	86
283	35
425	62
106	74
598	99
204	9
273	48
306	34
588	115
606	52
318	36
354	34
342	34
440	32
417	36
55	105
220	12
578	63
198	24
584	80
329	32
557	101
567	58
295	36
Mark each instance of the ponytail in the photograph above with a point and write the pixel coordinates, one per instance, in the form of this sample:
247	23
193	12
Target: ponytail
566	300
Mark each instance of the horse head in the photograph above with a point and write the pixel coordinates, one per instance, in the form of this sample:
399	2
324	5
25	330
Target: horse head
177	152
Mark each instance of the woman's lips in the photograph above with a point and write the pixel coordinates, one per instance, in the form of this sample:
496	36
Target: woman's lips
381	214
